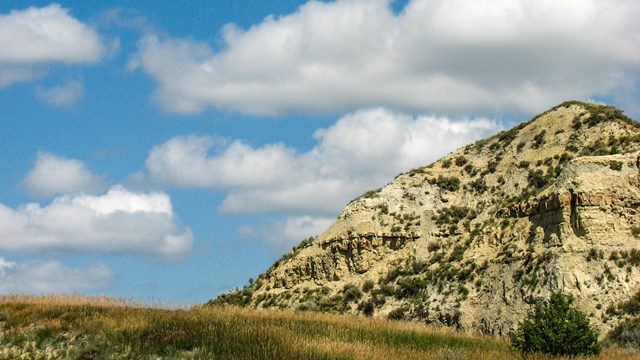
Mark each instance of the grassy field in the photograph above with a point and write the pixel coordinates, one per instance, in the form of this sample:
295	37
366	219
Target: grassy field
102	328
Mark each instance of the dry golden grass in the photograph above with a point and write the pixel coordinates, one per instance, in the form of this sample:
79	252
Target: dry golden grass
74	327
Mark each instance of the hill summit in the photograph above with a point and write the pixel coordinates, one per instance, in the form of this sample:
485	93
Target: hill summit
472	240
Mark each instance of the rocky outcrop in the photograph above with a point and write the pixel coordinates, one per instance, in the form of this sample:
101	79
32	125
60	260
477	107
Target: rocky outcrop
473	239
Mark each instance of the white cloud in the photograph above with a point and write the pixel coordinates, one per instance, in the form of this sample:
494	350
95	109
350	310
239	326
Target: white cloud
361	150
35	36
294	229
185	161
65	95
47	34
118	221
451	57
53	175
283	232
14	74
50	277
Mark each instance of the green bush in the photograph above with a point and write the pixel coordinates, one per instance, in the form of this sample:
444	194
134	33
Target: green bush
538	140
371	193
492	166
506	137
448	183
367	308
453	214
397	314
537	179
461	160
554	327
615	165
351	293
410	287
367	286
479	185
239	298
470	169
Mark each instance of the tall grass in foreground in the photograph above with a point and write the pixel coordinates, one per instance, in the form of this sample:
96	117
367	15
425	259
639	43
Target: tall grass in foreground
103	328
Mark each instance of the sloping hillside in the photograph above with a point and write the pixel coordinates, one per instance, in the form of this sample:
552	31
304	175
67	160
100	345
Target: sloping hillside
471	240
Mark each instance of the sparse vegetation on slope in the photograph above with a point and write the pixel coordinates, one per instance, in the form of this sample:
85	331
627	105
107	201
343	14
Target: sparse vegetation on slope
627	333
473	239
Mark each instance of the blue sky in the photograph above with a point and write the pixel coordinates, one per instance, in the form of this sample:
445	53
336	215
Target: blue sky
168	151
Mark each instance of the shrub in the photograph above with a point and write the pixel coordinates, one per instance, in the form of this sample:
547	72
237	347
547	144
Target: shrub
554	327
452	215
626	333
367	308
397	314
351	293
463	291
594	254
448	183
537	179
446	163
564	158
538	140
634	257
367	286
492	166
632	307
239	298
410	287
572	147
461	160
615	165
629	307
507	137
470	169
458	253
433	246
479	185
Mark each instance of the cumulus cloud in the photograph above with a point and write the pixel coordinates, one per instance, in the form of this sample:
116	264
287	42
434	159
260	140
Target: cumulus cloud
364	149
184	161
65	95
446	56
283	232
50	277
292	230
35	36
53	175
118	221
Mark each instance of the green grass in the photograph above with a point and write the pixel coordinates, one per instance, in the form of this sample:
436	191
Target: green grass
99	328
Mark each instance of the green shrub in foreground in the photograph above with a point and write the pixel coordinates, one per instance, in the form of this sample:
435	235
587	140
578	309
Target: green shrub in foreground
554	327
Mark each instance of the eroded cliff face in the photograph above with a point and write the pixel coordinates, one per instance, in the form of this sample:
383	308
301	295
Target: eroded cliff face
473	239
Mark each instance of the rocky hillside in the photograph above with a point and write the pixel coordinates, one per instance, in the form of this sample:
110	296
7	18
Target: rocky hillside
473	239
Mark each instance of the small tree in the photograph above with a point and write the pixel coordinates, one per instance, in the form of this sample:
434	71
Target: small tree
554	327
